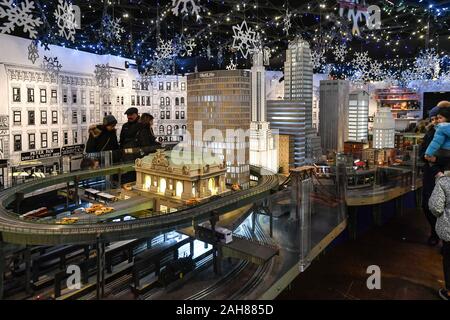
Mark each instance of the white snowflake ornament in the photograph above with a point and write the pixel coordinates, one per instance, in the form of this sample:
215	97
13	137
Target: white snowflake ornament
103	74
20	16
244	39
232	65
340	52
220	56
65	19
112	30
164	49
318	58
33	51
51	66
376	70
209	53
267	54
428	65
182	7
361	63
160	67
287	21
188	47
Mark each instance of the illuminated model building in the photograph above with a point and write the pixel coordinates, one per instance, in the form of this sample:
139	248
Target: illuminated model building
220	104
171	182
285	153
358	116
383	129
333	114
262	145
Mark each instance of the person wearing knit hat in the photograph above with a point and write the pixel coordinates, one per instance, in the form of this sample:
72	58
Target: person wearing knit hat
109	120
103	137
433	112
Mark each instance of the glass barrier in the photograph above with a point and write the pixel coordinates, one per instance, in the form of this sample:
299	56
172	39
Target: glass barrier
305	214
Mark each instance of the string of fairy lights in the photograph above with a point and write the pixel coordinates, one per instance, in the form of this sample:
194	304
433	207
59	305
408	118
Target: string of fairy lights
408	27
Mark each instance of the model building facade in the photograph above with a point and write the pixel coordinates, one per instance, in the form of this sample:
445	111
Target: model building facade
45	116
220	104
333	116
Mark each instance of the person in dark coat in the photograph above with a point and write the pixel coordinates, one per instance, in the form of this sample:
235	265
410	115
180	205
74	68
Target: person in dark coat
130	130
146	136
103	137
429	173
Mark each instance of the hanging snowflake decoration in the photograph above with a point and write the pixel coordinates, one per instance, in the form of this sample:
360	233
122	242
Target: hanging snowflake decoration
340	52
361	64
20	16
376	70
208	52
51	66
112	30
146	77
428	65
220	56
33	51
165	49
187	47
287	21
103	74
160	67
185	6
318	58
390	77
65	18
244	39
408	79
232	65
267	54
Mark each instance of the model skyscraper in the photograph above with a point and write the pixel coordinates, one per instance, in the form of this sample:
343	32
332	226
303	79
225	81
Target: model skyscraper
358	116
221	103
333	114
383	129
262	146
298	86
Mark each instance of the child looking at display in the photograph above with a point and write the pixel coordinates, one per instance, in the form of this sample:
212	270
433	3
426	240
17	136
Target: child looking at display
440	145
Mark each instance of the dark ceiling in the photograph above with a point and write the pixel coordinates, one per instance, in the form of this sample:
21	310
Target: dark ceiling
407	27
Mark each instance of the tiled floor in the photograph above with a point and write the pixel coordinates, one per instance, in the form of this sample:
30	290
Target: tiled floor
409	268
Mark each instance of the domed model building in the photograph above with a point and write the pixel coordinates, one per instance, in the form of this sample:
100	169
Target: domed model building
174	180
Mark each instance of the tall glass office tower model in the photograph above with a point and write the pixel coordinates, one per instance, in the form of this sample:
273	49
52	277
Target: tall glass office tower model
298	86
298	76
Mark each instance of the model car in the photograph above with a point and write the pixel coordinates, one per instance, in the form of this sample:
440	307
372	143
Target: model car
67	221
235	187
192	202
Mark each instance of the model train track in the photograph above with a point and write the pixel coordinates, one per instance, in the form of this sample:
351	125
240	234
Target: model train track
15	230
230	276
198	265
260	273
